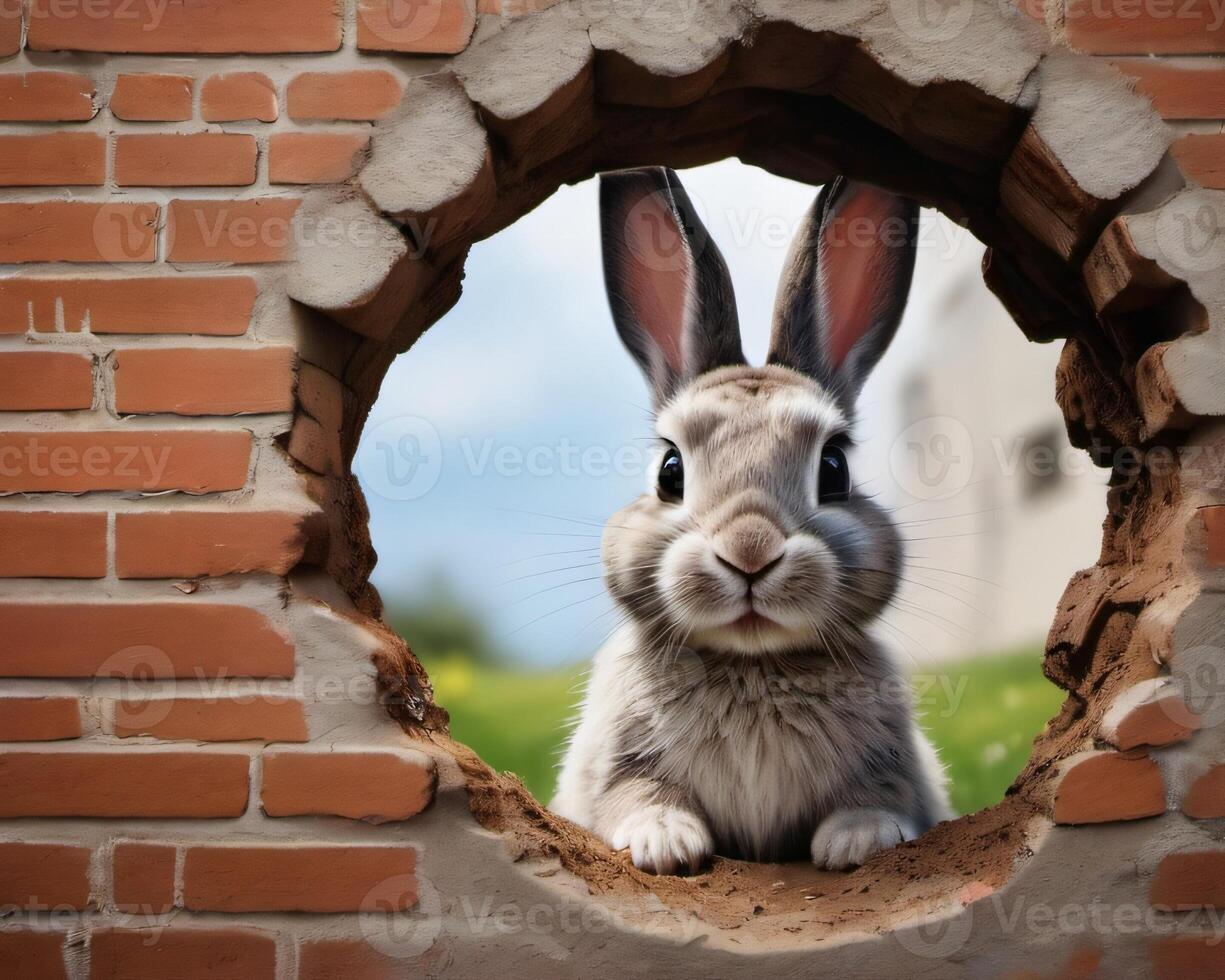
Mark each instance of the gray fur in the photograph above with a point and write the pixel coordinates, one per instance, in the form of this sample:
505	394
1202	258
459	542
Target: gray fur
783	736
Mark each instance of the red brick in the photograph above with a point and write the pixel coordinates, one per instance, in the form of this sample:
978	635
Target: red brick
135	459
215	305
152	98
314	158
144	877
139	641
218	27
185	160
355	95
1214	524
10	27
1202	158
1206	797
175	953
238	96
41	877
1188	958
45	381
46	96
1189	880
251	717
33	955
127	783
257	231
1110	786
1163	721
1179	91
378	786
322	396
189	544
299	879
36	719
1121	27
205	381
77	231
53	159
315	447
52	544
353	959
415	26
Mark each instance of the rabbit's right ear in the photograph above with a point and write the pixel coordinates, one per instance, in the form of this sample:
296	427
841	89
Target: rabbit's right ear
668	286
845	285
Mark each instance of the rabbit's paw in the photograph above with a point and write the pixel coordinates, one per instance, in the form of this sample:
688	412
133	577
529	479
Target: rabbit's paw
847	838
664	840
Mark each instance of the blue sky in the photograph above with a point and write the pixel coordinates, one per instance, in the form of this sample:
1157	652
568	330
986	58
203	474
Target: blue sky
521	402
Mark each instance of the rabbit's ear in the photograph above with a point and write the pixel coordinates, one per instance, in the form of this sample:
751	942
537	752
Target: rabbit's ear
845	284
668	286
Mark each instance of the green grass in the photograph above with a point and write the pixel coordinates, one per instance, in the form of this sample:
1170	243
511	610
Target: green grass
982	716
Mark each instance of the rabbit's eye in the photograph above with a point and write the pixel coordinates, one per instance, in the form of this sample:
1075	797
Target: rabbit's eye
834	477
672	475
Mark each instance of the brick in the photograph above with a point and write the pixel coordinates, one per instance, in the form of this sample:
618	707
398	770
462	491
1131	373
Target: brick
46	96
250	717
36	381
1188	958
1162	721
129	783
53	159
316	448
36	719
378	786
44	876
220	27
254	231
353	95
299	879
52	544
152	98
322	396
1179	91
77	231
238	96
1206	797
10	27
33	955
176	953
1189	880
1110	786
189	544
1202	158
140	641
205	381
1214	524
143	877
135	459
415	26
185	160
213	305
314	158
1193	27
353	959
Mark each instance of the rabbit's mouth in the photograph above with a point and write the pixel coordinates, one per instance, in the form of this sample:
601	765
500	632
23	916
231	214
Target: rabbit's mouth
752	621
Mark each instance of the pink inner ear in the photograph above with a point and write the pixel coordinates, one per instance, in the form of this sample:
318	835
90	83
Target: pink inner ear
855	255
658	280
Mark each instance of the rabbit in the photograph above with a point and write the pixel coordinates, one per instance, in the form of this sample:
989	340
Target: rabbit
743	708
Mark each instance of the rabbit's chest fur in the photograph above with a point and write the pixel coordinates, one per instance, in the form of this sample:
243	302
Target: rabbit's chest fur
765	749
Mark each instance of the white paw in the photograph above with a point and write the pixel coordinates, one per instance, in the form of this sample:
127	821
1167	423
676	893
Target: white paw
664	839
847	838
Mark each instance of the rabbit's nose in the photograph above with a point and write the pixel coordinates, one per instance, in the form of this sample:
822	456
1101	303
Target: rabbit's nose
750	545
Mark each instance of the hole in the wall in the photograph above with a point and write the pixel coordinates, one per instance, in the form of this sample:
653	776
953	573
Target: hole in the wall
811	137
486	510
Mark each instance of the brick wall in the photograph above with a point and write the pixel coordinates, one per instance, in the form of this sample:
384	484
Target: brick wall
203	769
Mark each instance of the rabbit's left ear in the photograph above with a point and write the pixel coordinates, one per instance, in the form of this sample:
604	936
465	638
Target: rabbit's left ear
668	286
845	285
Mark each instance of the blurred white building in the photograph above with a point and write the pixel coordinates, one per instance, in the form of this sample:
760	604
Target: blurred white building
969	451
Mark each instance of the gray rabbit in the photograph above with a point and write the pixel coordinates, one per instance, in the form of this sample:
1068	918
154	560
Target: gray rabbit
743	708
